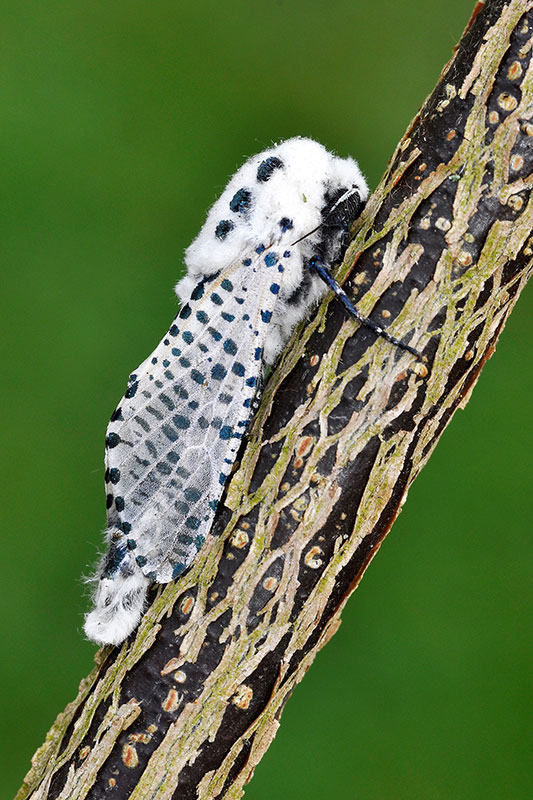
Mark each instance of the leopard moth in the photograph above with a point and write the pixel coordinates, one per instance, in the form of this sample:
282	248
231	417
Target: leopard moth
258	265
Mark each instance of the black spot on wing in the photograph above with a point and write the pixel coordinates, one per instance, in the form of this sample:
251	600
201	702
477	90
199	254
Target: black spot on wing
132	389
238	369
219	372
112	439
112	475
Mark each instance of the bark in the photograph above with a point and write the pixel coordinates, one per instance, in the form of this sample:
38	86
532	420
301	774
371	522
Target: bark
188	707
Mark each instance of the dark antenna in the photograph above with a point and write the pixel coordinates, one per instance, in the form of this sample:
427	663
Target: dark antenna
317	265
328	279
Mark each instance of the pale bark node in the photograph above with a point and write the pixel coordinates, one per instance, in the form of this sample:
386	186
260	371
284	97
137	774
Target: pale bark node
187	707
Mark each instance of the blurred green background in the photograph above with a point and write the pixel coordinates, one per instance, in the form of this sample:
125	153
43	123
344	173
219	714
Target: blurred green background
121	122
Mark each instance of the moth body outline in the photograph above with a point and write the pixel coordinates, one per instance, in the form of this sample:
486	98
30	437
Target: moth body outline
253	273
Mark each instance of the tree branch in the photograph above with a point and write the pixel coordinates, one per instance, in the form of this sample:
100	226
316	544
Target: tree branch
189	706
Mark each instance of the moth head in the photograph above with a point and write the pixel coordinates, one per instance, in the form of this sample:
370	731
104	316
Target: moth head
339	212
295	193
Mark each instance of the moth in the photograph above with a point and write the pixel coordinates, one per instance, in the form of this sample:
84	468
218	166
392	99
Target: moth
261	261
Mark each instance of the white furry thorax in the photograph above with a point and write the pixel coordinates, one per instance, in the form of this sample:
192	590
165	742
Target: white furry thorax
296	191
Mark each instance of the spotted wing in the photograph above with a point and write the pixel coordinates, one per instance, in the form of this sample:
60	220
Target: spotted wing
171	443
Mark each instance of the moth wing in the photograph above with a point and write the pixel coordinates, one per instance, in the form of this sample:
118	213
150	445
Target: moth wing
171	443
